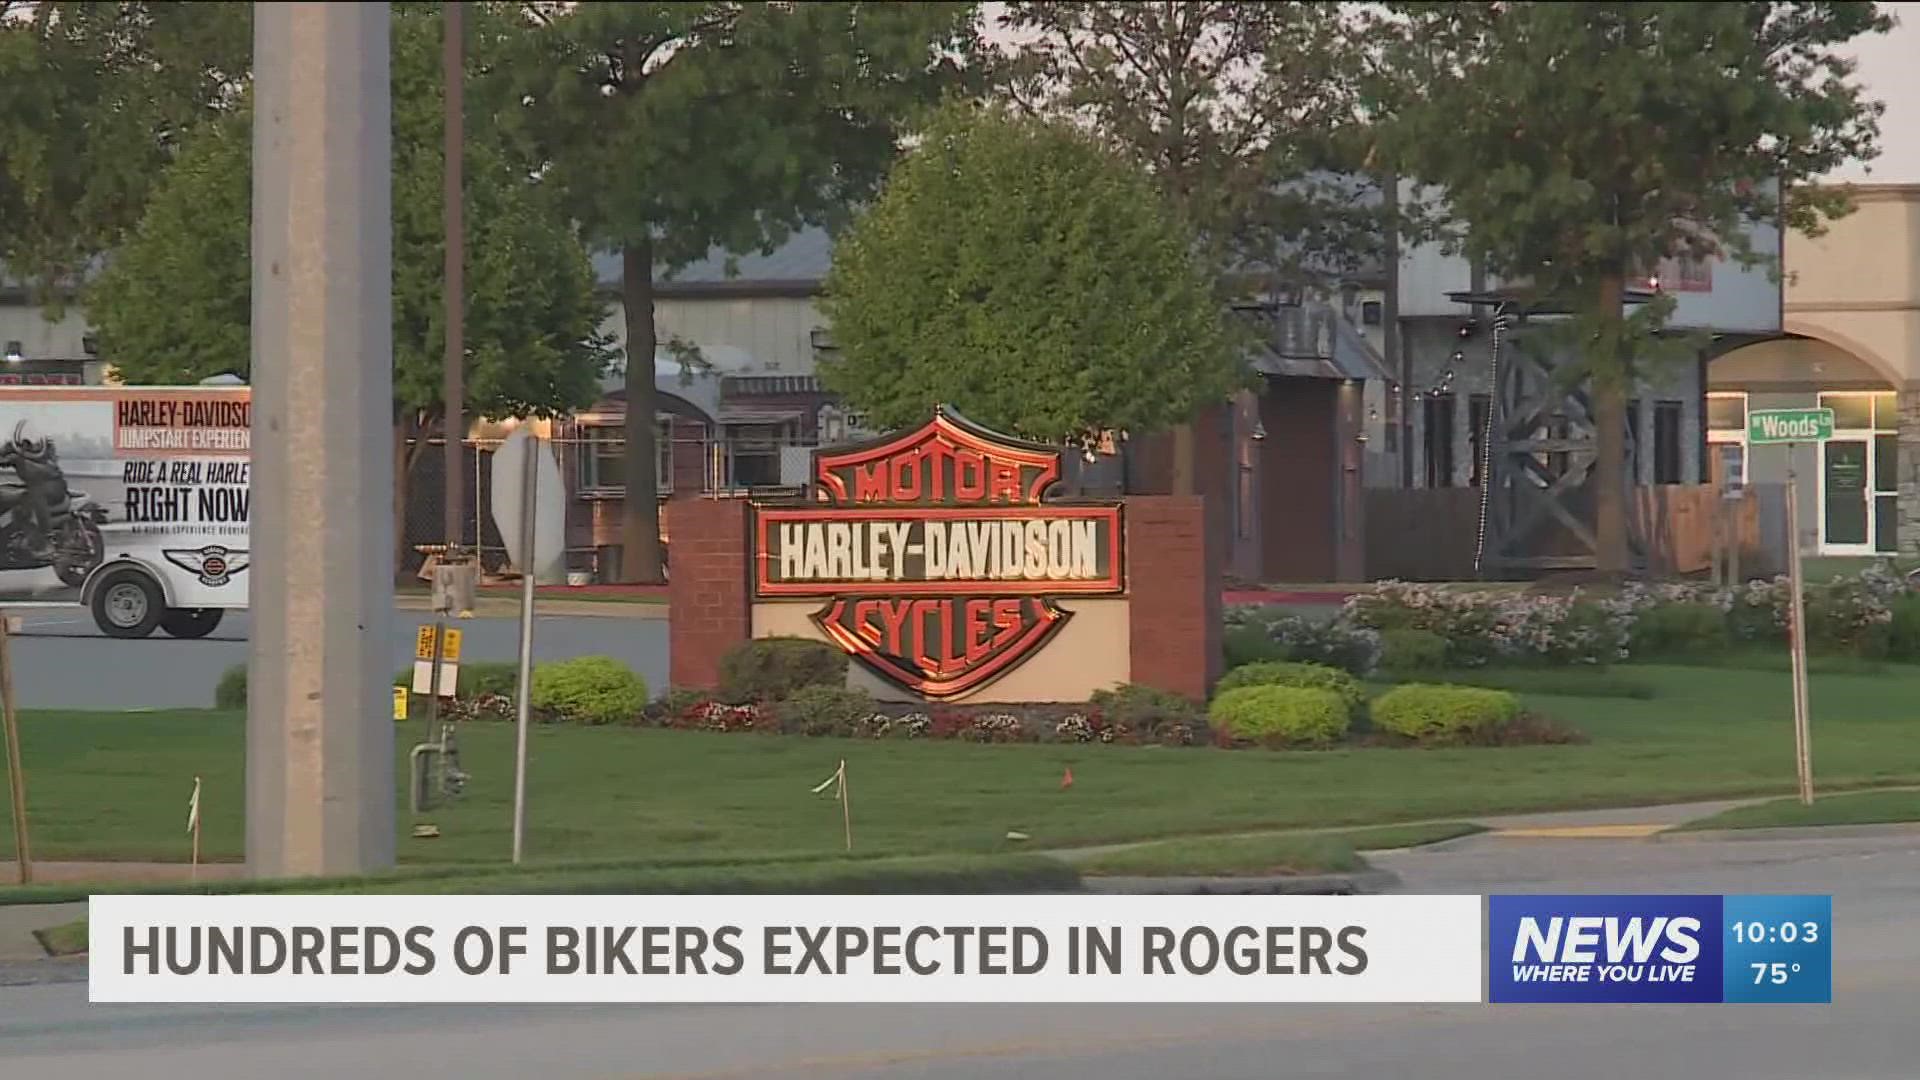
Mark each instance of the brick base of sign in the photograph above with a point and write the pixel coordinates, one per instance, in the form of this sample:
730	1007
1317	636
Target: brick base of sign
1174	616
1173	584
709	609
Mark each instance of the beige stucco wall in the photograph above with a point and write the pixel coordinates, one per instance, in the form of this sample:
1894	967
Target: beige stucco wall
41	339
1089	653
1858	286
1796	364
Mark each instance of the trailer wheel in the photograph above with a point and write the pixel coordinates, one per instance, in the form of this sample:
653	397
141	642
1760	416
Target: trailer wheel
128	604
191	622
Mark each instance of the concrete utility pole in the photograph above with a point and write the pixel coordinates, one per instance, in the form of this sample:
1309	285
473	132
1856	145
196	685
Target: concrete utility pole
320	770
453	389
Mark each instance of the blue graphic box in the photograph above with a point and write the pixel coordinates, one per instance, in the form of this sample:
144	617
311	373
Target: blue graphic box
1623	949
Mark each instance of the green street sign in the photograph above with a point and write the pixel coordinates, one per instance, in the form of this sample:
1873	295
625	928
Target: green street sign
1789	425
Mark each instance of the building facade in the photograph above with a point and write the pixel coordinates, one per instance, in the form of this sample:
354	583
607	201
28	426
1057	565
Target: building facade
1850	341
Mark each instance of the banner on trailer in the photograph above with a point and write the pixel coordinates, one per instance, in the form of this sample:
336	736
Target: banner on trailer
687	949
90	476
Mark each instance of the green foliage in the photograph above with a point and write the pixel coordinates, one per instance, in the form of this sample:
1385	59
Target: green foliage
1146	709
174	305
1443	714
231	691
1572	148
1284	714
673	129
771	669
95	99
1678	630
1243	113
1407	651
1903	630
589	690
1308	676
824	710
1017	270
1249	644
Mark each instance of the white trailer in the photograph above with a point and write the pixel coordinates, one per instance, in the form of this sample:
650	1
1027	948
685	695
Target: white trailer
130	501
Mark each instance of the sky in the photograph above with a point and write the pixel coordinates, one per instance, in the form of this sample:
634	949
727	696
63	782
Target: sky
1890	70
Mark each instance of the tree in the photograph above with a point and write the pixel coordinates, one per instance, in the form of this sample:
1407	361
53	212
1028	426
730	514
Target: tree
676	128
95	101
1247	115
1022	272
1576	146
175	301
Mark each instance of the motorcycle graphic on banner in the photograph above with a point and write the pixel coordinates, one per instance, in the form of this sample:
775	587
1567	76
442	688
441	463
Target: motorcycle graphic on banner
134	501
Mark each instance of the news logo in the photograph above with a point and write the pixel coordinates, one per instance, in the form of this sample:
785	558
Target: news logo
1660	949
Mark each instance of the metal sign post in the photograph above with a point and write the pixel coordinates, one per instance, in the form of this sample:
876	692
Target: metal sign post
529	507
523	691
1792	427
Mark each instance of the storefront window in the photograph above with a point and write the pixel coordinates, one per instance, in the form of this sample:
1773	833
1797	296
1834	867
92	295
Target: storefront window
1860	475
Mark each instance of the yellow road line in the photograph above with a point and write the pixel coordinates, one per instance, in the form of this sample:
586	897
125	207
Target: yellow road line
1581	832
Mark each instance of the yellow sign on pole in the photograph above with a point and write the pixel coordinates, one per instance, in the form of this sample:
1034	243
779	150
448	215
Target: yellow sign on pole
423	644
450	652
400	696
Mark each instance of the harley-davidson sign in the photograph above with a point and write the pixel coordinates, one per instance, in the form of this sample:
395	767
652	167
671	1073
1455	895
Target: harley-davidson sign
937	553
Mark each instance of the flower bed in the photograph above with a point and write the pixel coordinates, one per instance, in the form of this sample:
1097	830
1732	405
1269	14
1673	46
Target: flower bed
1870	614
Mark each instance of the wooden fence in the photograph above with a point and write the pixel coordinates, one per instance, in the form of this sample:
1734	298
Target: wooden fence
1429	534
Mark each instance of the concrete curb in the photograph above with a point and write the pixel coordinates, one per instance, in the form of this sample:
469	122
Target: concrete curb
1799	832
19	921
1366	881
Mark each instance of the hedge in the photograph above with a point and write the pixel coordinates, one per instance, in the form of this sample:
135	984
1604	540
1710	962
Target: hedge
1302	676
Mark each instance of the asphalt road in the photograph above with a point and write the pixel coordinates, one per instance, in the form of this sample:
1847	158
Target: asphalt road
62	661
49	1032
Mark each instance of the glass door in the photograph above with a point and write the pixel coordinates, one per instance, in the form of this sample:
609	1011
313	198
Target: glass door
1845	517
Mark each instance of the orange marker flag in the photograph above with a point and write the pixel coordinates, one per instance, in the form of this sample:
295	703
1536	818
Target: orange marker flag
1066	780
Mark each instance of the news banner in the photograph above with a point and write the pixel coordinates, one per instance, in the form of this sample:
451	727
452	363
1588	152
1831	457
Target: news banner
1016	949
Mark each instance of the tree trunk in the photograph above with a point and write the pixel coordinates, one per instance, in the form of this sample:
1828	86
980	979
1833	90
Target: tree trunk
640	509
401	463
1609	381
405	458
1183	471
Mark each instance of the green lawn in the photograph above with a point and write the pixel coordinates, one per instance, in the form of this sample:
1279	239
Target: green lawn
1859	808
1242	856
116	785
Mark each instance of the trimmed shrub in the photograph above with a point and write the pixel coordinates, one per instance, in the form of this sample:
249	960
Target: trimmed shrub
483	677
1408	651
1443	714
1243	645
1134	712
824	710
770	669
1303	676
589	690
1281	714
1678	630
231	691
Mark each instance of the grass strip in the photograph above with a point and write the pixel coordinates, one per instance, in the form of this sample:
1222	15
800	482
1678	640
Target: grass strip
1264	856
795	873
1857	808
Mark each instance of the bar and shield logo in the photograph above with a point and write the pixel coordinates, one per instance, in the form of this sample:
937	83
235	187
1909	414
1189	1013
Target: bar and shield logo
937	555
